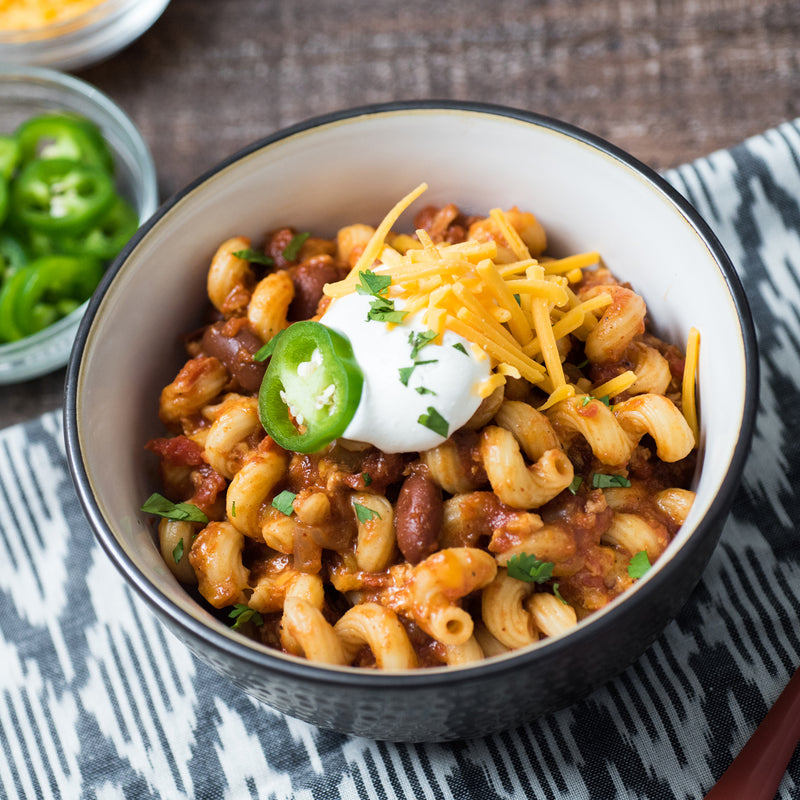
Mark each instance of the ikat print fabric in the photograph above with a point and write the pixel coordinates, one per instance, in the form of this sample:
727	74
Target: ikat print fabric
98	701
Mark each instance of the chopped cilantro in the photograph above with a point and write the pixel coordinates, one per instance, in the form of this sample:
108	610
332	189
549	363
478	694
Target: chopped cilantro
588	399
370	283
638	565
405	372
242	613
233	508
255	256
435	421
263	353
283	502
419	340
460	347
528	568
292	250
558	594
602	481
381	309
423	390
159	505
177	552
365	514
575	484
367	478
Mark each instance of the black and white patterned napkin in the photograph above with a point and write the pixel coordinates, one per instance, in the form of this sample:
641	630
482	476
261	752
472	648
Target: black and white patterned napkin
98	701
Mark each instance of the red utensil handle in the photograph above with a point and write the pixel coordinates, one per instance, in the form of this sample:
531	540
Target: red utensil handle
756	773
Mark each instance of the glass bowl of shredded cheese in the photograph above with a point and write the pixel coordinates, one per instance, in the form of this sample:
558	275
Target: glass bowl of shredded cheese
70	34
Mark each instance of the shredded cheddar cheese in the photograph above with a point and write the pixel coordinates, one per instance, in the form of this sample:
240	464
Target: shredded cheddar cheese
22	15
515	313
689	376
615	386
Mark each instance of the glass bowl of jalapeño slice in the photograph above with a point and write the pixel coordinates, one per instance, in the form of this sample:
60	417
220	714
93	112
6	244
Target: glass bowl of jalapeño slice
76	180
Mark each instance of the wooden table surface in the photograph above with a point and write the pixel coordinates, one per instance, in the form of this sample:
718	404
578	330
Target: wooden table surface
667	80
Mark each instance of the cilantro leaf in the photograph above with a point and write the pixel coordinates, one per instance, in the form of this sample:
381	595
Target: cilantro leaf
242	613
255	257
263	353
382	310
405	372
159	505
370	283
575	484
602	481
386	316
433	420
423	390
528	568
461	348
292	250
364	514
283	502
558	594
177	552
638	565
367	478
419	340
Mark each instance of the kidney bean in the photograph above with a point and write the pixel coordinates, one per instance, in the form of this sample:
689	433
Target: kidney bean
235	350
308	278
276	243
418	518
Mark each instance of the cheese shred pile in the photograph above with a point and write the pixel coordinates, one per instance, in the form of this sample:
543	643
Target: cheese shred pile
513	308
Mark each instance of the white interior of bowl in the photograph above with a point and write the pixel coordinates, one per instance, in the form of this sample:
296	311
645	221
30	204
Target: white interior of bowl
354	170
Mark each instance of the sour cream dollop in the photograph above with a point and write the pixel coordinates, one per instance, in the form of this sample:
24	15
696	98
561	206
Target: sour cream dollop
388	415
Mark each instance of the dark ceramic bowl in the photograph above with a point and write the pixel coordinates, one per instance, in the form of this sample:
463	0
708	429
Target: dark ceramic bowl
353	166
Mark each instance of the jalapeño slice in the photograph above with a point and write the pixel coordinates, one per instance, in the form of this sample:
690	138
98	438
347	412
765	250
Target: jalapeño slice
311	388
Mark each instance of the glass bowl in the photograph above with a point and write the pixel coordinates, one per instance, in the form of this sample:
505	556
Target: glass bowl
24	93
85	39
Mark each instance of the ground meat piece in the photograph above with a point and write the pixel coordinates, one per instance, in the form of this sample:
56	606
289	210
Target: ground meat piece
178	450
377	471
209	491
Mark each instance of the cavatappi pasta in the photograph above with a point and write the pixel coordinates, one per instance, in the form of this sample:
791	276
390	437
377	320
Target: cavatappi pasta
572	473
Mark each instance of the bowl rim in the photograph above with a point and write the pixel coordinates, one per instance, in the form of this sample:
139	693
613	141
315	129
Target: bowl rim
295	668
